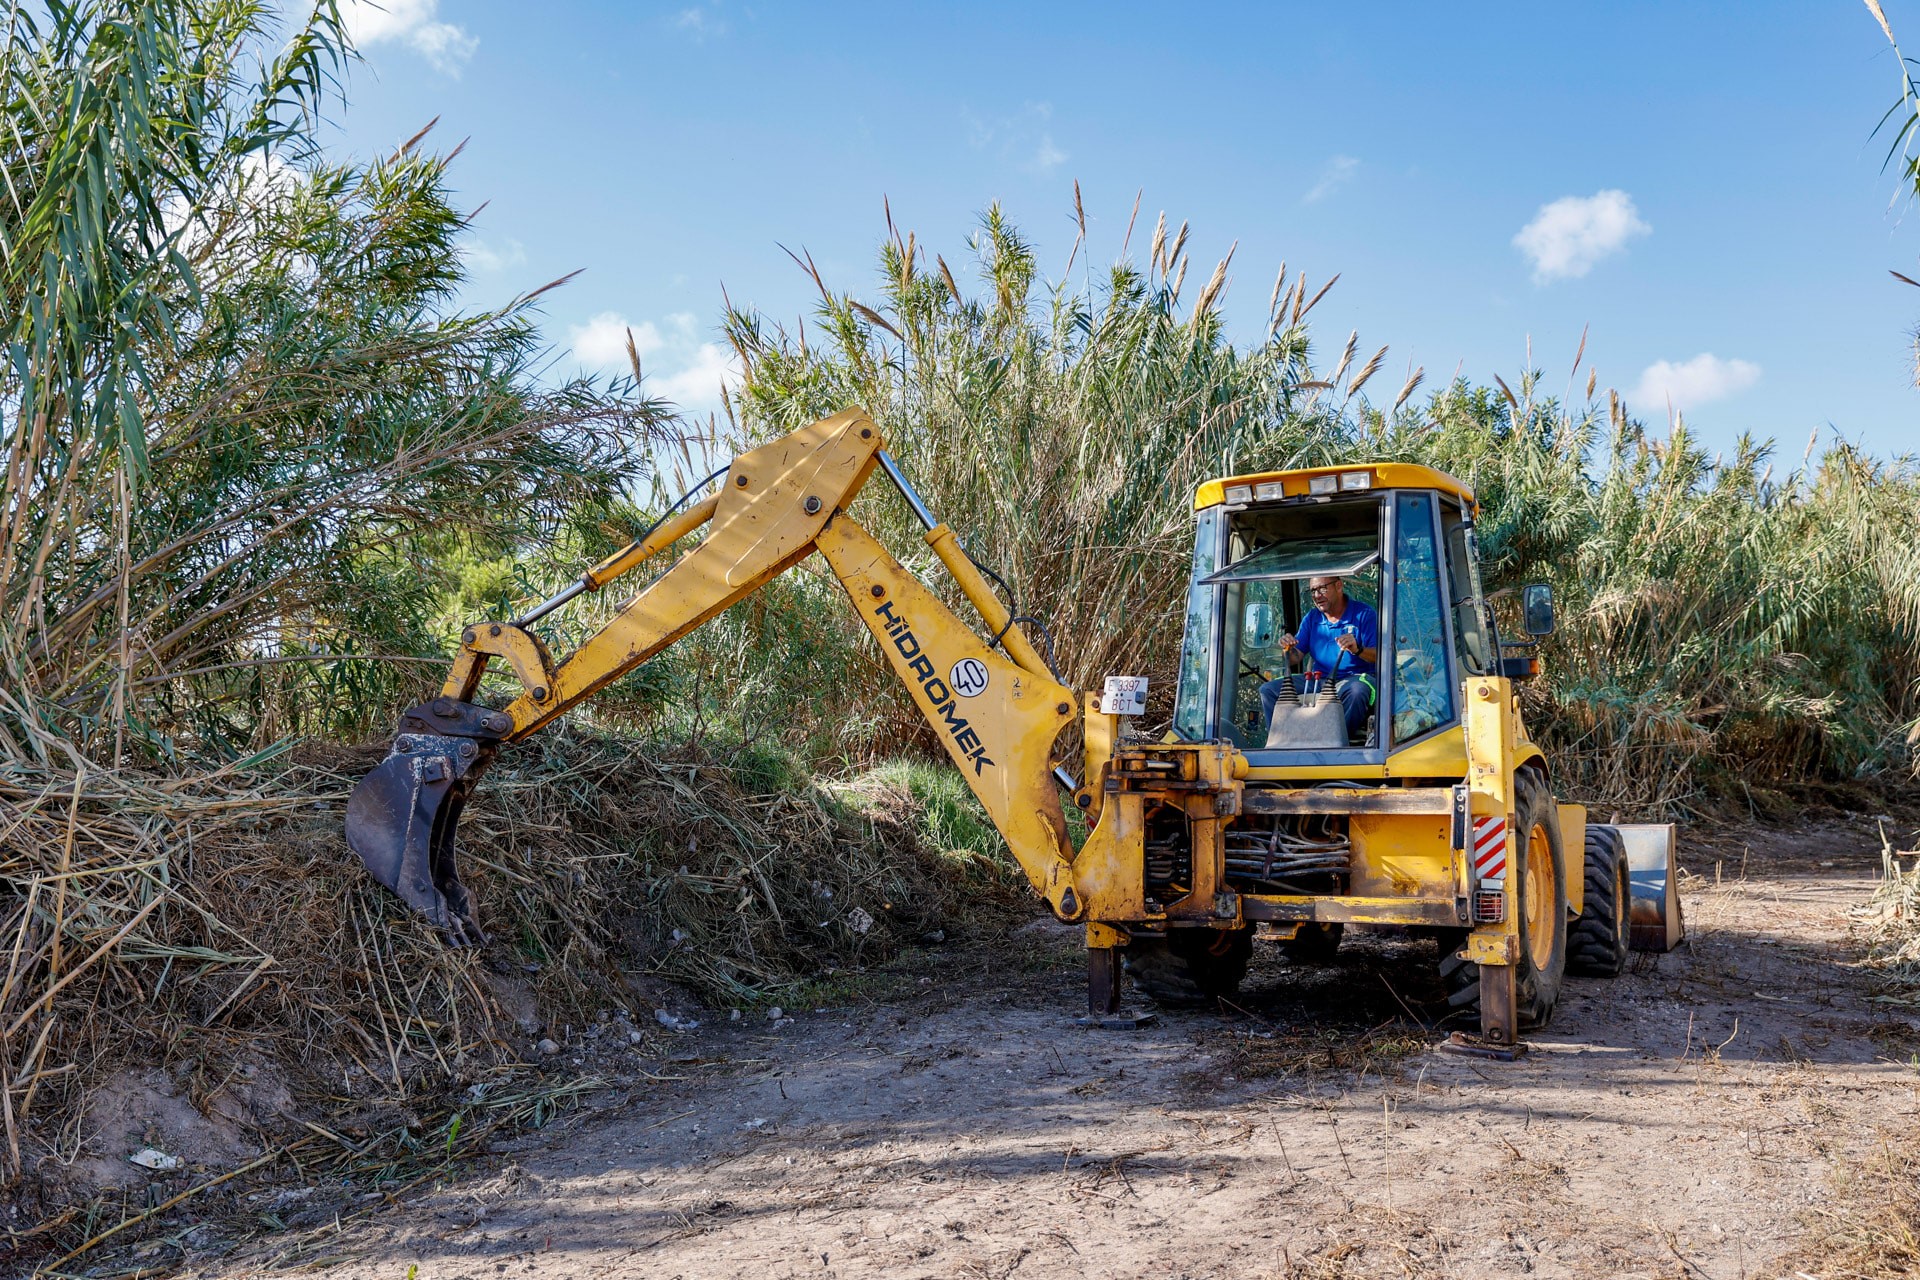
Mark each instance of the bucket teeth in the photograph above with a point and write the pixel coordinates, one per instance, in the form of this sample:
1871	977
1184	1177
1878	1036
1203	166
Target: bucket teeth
402	817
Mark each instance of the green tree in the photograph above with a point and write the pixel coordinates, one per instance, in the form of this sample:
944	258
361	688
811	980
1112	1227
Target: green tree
251	439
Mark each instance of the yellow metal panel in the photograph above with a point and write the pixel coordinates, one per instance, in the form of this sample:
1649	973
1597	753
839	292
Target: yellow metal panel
1099	735
1402	855
1110	871
1444	755
1573	843
1386	475
996	720
1489	741
1488	945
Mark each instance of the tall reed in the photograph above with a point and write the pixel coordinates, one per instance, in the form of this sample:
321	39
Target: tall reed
1725	629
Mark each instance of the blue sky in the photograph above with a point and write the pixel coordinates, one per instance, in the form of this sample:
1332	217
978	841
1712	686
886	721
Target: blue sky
1695	183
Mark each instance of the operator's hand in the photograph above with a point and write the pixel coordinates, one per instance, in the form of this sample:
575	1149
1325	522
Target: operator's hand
1350	644
1288	644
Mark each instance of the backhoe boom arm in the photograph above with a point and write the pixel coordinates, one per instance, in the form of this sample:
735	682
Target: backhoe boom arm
997	713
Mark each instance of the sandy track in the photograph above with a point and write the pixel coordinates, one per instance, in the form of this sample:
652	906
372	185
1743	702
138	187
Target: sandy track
1682	1120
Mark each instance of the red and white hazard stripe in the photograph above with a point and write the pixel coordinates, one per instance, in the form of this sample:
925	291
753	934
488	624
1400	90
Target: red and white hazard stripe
1490	851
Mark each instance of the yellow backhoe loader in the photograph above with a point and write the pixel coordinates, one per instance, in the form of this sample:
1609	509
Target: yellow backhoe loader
1432	811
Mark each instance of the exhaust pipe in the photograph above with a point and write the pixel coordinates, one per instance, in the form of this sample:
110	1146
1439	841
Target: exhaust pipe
401	818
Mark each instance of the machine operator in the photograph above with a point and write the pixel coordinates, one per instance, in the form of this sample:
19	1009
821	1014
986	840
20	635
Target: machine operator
1339	638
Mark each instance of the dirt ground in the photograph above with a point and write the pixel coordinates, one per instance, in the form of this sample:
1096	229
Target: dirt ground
1698	1117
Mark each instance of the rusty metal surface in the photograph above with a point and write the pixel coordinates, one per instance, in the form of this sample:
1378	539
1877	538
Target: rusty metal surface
402	817
1103	981
1349	800
1473	1047
1499	1018
1333	909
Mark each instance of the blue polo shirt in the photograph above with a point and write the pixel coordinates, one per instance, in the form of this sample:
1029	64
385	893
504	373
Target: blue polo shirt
1320	637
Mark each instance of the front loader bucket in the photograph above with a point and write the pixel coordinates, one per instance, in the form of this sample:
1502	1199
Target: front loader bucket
402	817
1652	879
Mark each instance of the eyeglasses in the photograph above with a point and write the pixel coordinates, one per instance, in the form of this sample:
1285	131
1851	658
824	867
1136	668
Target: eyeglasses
1317	590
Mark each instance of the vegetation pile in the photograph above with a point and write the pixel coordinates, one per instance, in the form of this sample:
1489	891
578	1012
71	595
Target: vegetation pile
1891	922
256	465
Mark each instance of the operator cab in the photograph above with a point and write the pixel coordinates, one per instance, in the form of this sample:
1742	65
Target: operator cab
1399	540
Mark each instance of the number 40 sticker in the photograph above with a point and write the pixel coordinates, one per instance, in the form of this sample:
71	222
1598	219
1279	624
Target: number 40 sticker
968	677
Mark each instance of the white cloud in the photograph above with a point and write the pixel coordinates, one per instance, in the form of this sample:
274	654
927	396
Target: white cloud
485	257
601	343
414	23
1691	383
1022	139
1046	156
697	386
677	365
1568	236
701	22
1334	176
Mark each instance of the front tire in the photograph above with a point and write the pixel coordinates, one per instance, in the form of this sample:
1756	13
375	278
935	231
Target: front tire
1189	968
1597	941
1540	895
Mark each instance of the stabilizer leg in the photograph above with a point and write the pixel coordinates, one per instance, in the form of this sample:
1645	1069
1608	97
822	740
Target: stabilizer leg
1103	981
1497	1016
1104	944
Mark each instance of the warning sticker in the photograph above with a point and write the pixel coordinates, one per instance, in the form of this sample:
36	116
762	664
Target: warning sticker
1489	851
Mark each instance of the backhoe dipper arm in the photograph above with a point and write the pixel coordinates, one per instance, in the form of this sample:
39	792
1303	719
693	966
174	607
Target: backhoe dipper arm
997	714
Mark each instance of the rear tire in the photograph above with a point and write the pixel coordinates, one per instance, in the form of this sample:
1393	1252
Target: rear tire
1536	985
1314	944
1190	968
1597	941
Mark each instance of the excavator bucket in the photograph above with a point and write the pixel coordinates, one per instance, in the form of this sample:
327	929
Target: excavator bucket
1655	920
402	817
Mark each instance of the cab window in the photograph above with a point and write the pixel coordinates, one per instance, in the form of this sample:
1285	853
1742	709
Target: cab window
1196	644
1423	692
1471	640
1271	555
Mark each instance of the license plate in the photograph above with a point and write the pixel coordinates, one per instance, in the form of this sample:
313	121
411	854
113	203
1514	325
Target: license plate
1124	696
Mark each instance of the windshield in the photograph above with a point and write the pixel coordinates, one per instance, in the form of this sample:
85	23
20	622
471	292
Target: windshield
1267	661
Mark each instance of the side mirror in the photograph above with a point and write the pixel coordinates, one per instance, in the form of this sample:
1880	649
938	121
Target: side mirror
1257	632
1536	607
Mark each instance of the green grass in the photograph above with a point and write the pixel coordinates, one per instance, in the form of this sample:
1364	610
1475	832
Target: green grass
949	817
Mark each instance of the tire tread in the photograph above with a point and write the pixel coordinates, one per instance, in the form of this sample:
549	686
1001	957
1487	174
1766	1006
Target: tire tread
1596	942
